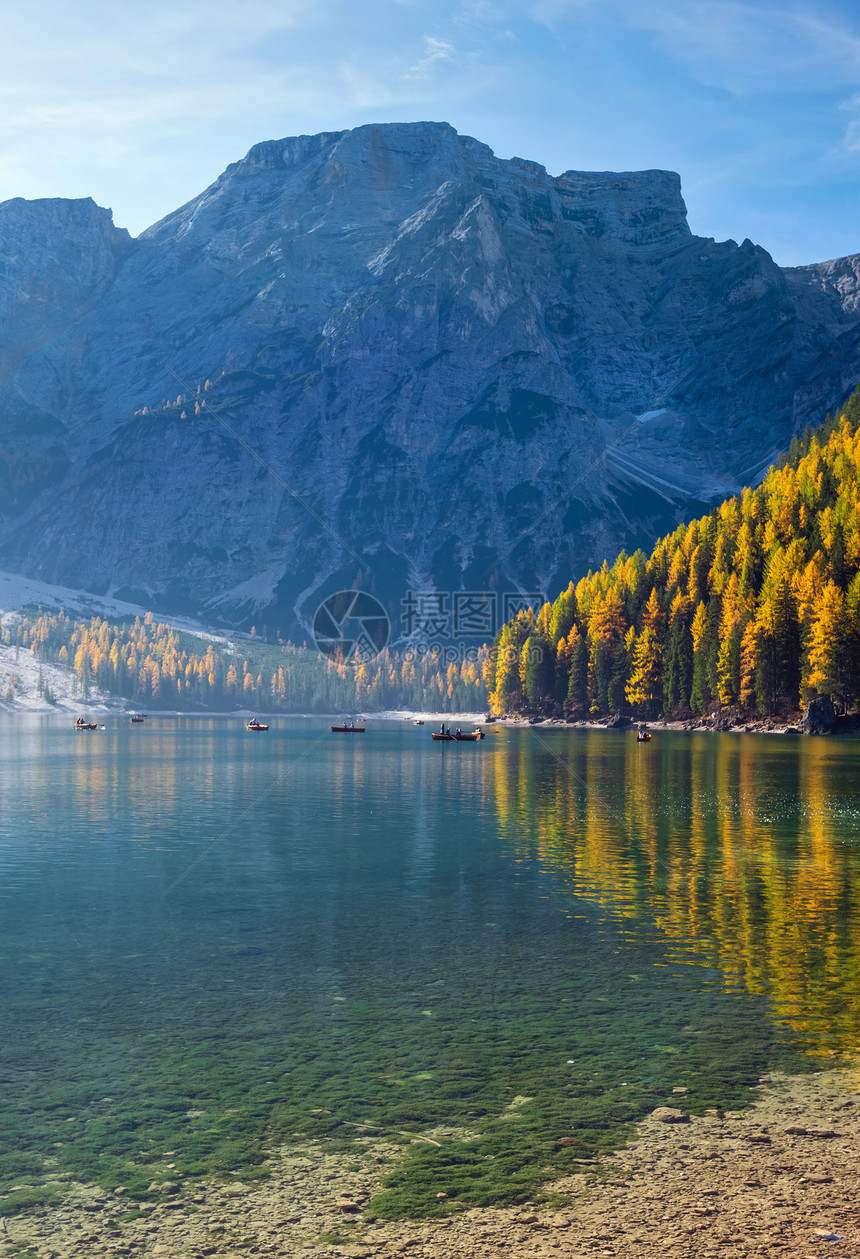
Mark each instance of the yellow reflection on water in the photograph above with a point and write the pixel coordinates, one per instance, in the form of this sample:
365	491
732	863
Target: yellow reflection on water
745	853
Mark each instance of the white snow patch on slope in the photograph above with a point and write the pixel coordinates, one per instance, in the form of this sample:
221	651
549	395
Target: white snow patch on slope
19	663
21	673
258	590
17	592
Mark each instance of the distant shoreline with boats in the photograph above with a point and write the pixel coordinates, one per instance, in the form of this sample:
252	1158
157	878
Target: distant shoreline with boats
714	725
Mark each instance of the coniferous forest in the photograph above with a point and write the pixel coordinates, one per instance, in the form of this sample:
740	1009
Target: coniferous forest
154	665
753	608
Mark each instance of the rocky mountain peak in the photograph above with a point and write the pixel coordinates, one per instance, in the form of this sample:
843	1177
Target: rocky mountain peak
642	208
471	371
57	260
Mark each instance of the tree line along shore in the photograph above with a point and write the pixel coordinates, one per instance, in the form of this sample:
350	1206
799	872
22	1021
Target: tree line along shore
751	611
152	664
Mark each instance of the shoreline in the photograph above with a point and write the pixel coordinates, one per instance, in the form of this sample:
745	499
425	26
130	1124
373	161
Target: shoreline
691	726
778	1176
24	679
121	707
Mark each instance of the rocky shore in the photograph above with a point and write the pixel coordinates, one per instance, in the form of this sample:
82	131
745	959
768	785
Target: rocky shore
777	1178
709	725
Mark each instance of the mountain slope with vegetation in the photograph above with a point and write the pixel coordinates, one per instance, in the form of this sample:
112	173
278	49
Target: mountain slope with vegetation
154	665
752	608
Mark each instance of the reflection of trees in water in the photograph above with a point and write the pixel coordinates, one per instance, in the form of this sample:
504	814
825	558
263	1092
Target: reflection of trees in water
742	851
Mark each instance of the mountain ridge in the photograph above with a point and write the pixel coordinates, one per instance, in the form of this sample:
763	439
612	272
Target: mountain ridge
428	346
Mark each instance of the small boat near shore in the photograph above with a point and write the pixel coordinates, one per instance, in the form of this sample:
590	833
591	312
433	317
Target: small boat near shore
254	724
137	719
350	728
458	736
80	724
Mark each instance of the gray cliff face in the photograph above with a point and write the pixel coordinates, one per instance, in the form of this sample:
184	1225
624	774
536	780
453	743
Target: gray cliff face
386	355
57	260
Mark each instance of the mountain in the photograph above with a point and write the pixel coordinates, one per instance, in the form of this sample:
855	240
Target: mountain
385	356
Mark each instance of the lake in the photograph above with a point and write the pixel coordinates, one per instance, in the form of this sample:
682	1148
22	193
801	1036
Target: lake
216	942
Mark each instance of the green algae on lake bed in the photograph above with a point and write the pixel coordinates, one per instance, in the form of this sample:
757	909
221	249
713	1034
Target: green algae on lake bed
484	1098
468	957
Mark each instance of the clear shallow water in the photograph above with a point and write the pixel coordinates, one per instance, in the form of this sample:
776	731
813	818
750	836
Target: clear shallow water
214	941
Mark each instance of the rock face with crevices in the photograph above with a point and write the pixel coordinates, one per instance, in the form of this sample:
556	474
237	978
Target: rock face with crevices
385	355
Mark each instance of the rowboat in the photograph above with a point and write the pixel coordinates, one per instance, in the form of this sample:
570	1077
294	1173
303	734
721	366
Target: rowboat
348	729
137	718
80	724
458	737
255	725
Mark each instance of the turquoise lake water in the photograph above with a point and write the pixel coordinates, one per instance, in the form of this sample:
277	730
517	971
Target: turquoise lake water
215	942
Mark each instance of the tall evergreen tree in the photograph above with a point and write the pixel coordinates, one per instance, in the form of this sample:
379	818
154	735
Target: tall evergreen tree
577	690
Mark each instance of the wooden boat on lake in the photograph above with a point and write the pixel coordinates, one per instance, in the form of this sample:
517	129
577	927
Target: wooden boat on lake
255	725
643	736
458	736
137	718
418	722
80	724
352	728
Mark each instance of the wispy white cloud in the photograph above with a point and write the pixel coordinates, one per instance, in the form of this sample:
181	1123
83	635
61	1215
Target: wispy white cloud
850	141
484	13
436	51
747	47
740	46
142	104
135	65
150	37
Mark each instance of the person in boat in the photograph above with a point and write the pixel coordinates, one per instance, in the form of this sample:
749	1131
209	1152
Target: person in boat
459	731
442	728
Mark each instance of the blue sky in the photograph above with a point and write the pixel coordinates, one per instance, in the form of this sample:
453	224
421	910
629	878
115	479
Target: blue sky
755	103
